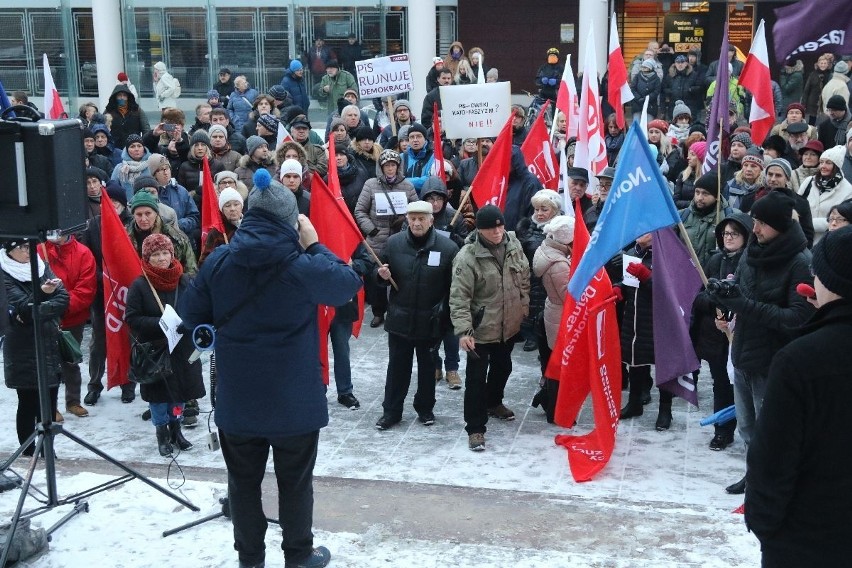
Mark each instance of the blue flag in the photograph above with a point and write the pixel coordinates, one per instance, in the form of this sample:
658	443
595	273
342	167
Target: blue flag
639	202
4	100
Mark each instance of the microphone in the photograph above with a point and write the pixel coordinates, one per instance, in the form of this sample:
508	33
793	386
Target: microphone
806	291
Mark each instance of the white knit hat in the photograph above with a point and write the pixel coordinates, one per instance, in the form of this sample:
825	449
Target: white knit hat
836	155
229	194
561	229
290	166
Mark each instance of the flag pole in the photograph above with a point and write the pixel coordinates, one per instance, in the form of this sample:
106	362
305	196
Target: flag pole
378	261
391	116
462	203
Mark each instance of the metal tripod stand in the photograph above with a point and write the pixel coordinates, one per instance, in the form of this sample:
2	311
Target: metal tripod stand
43	438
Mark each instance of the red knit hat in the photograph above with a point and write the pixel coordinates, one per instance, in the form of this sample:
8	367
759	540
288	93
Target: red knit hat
156	242
122	76
659	124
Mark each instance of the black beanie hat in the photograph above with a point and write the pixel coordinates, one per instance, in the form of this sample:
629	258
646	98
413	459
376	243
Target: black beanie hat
709	182
489	217
116	192
417	127
832	261
775	209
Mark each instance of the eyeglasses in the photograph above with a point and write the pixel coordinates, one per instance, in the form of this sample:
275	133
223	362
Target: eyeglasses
731	235
228	182
836	219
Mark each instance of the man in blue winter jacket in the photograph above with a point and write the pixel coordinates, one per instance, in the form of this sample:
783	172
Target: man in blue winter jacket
261	293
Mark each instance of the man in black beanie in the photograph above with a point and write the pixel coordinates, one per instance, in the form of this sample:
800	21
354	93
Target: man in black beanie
765	303
798	464
489	297
699	218
832	132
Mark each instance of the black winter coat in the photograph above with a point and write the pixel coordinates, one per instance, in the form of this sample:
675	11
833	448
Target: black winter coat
143	316
19	360
799	478
682	86
642	86
189	175
769	308
363	264
351	183
419	310
637	326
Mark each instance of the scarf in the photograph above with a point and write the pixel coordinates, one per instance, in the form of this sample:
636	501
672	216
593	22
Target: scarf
20	271
827	184
164	279
841	125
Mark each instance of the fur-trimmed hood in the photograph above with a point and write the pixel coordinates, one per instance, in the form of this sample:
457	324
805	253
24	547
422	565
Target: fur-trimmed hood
373	155
244	162
290	145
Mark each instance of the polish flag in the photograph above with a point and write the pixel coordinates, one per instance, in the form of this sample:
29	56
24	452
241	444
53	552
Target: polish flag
591	148
755	78
566	100
538	152
53	108
618	90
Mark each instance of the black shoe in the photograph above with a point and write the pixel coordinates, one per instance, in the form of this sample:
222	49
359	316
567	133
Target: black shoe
128	396
721	441
426	418
737	488
176	436
92	397
530	345
319	558
632	410
163	440
377	321
664	419
646	397
146	415
349	401
386	422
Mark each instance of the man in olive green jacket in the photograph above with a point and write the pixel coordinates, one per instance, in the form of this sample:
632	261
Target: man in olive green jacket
489	297
333	86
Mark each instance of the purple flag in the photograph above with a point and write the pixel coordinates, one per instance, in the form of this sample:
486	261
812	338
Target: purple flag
810	26
718	110
676	283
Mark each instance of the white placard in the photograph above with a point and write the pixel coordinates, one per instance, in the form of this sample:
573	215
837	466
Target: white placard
626	278
475	111
169	324
384	76
397	198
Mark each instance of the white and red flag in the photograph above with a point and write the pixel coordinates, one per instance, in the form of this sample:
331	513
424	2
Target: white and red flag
566	100
755	78
53	108
591	148
618	90
538	152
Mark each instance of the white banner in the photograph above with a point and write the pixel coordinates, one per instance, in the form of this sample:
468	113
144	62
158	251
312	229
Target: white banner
475	111
384	76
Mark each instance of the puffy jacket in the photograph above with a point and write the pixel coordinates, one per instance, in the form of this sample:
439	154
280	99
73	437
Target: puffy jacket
417	165
646	85
167	88
129	169
239	107
74	264
770	307
377	228
178	198
683	86
270	383
352	181
189	175
19	360
821	202
247	168
552	263
298	89
134	121
479	282
547	80
419	310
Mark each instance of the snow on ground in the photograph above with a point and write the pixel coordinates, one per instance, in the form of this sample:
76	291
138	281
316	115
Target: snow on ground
671	478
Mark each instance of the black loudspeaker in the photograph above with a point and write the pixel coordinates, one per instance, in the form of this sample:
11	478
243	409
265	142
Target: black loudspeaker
42	177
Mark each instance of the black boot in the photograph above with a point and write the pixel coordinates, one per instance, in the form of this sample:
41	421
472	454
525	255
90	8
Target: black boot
737	488
664	417
163	440
631	410
176	436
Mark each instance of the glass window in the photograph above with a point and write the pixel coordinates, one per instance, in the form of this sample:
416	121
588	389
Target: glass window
274	47
237	45
13	55
85	34
47	34
186	48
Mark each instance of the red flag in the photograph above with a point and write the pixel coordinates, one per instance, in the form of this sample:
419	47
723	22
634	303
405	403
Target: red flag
589	453
337	230
538	152
586	355
121	267
566	99
755	77
618	90
438	149
591	149
210	216
492	180
53	108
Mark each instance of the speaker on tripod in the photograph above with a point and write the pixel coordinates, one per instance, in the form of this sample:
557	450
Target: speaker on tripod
42	189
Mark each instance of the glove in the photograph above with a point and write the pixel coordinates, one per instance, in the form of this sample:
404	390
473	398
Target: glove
737	304
639	270
373	233
551	82
616	291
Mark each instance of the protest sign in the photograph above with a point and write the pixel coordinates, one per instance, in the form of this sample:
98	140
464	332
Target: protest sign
384	76
475	111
